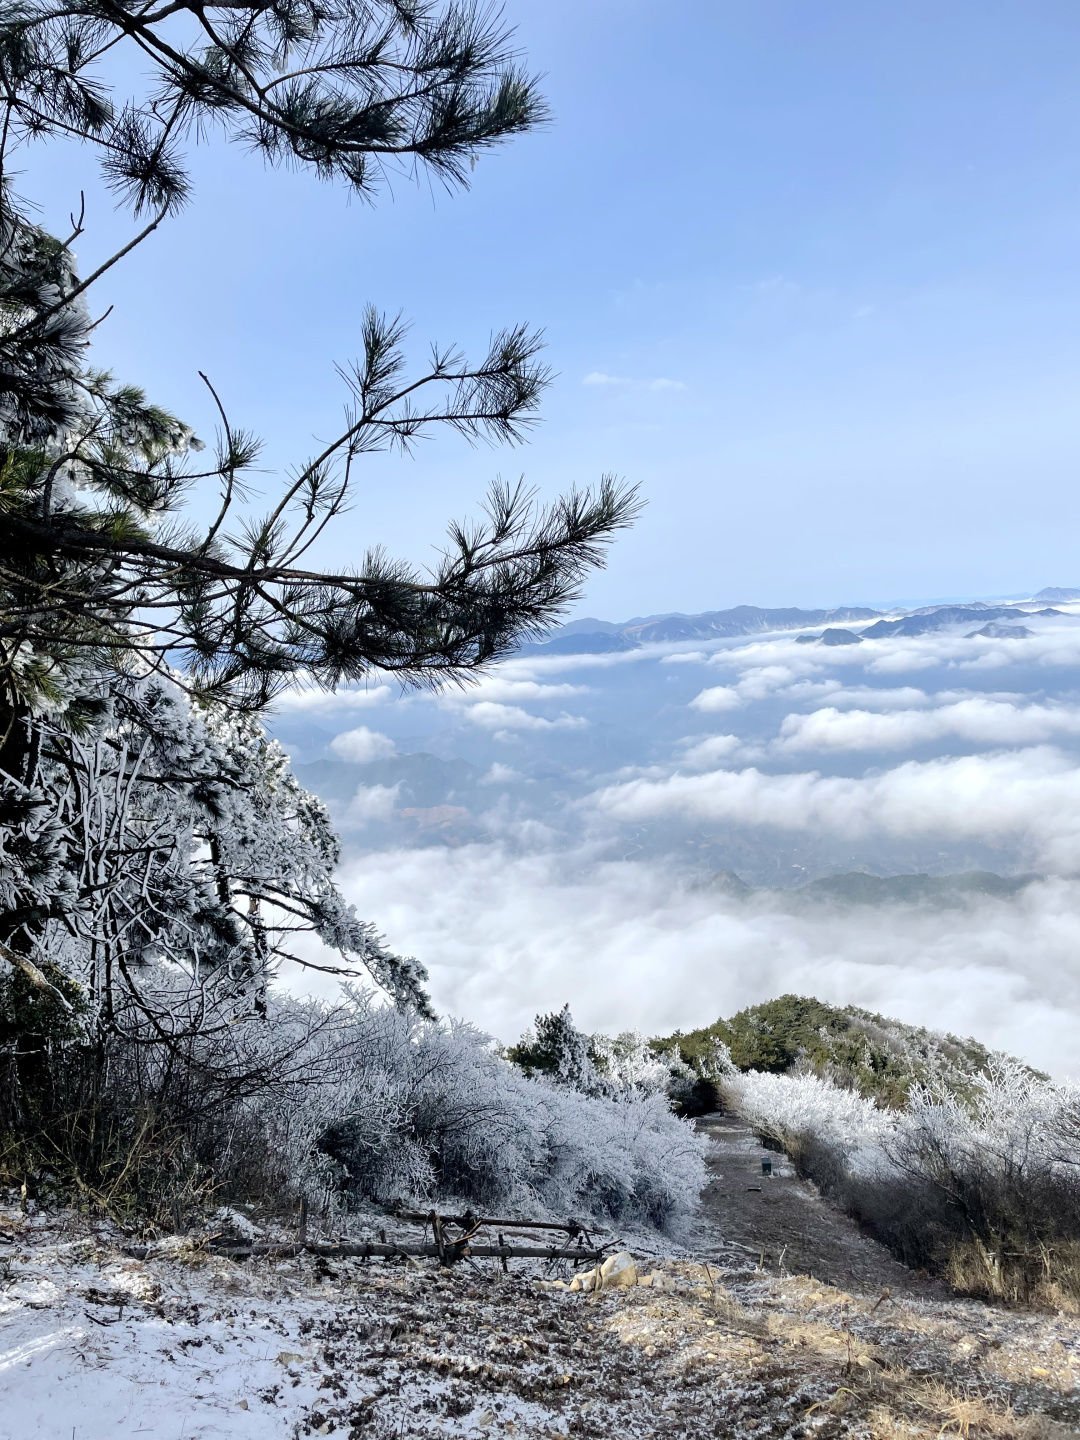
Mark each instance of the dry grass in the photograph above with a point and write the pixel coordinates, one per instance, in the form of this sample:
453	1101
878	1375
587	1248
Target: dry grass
885	1368
1049	1279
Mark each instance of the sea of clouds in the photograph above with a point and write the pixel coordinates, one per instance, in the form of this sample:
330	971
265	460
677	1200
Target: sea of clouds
553	833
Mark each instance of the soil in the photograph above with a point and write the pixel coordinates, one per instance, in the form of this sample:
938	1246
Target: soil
784	1224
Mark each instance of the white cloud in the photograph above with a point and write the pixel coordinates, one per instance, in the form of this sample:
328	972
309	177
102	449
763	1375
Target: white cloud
703	753
661	382
978	720
498	686
1030	797
534	666
1050	646
765	680
785	650
500	774
903	697
631	947
758	683
361	746
370	803
493	716
717	698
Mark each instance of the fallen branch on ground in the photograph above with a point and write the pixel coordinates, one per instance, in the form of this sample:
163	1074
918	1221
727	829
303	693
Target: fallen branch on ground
449	1252
472	1222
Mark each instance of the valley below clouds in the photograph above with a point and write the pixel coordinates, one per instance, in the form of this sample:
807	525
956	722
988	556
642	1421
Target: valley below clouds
652	828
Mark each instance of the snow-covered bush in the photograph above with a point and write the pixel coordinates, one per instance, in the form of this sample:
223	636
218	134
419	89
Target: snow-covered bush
629	1063
833	1134
1001	1168
419	1109
361	1101
983	1184
793	1109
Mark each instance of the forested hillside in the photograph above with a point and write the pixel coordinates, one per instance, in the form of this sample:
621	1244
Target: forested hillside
876	1056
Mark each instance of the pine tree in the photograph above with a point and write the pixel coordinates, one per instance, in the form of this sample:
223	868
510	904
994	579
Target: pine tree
96	559
557	1049
104	583
169	862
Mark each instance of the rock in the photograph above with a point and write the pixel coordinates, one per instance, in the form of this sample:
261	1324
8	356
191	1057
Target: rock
618	1270
231	1224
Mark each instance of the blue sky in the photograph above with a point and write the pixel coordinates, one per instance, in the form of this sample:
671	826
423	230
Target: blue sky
807	272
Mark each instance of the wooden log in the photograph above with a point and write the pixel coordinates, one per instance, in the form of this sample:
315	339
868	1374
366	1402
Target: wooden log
470	1222
448	1252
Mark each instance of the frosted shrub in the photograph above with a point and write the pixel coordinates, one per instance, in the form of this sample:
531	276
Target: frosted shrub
555	1050
982	1184
626	1158
1014	1127
408	1109
805	1111
1002	1170
628	1062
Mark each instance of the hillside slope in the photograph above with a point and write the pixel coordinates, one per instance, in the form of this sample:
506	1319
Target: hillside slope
879	1057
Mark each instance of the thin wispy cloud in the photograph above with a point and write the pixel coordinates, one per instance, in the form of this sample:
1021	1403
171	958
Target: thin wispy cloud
370	804
701	754
321	702
501	687
660	382
494	716
500	774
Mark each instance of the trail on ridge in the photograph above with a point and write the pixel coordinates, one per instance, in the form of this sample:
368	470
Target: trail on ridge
784	1224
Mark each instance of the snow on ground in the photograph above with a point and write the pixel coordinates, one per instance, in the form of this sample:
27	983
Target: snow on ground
188	1346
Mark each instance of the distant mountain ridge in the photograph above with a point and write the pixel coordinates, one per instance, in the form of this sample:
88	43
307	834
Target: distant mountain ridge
1056	594
602	635
589	636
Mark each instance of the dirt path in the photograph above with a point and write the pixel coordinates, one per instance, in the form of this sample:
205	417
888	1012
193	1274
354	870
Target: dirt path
784	1225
